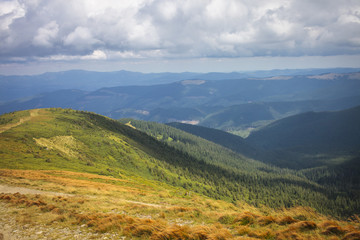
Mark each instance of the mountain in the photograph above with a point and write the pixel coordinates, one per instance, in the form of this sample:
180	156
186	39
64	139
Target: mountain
312	139
14	87
244	101
225	139
56	139
252	115
333	164
312	132
19	87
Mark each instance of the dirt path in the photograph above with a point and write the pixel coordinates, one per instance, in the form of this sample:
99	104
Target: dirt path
22	190
33	113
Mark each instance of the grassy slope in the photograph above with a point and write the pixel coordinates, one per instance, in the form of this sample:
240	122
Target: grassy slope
103	206
56	139
131	202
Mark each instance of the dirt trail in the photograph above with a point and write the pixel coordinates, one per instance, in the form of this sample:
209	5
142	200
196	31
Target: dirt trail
22	190
33	113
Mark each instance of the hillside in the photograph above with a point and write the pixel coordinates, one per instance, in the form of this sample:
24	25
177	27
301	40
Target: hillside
252	115
70	205
225	139
267	177
56	139
312	132
109	178
335	170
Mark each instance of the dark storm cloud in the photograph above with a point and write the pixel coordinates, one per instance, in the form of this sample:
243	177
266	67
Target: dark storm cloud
112	29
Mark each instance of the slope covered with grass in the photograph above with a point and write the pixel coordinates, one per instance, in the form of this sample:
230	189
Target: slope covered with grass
57	139
72	205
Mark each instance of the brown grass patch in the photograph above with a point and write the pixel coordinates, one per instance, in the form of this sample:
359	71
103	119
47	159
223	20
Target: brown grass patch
286	235
180	209
242	230
286	220
172	232
201	232
303	226
261	233
245	218
266	220
352	236
220	234
18	199
333	230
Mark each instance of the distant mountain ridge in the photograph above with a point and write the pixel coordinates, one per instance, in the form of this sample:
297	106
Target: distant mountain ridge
16	86
312	132
205	95
235	105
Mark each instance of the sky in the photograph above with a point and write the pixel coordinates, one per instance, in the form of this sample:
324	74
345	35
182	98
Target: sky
39	36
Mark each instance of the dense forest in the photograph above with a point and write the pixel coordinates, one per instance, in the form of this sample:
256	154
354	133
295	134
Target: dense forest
238	177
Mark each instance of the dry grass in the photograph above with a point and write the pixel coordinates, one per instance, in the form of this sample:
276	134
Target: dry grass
130	208
355	235
245	218
286	220
303	226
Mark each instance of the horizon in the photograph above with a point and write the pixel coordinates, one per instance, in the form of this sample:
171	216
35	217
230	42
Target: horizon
347	70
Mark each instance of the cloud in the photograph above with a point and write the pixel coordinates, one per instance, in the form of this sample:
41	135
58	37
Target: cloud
81	38
111	29
46	35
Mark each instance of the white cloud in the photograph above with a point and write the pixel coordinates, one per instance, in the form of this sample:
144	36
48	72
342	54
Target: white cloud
81	38
95	55
57	29
46	35
10	11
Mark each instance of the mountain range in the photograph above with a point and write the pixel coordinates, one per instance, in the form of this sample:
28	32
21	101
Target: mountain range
231	105
17	86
